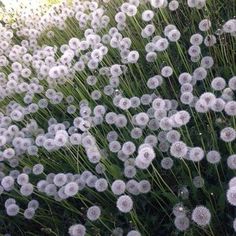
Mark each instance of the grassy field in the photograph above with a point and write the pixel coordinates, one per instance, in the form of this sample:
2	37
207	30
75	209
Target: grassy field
80	71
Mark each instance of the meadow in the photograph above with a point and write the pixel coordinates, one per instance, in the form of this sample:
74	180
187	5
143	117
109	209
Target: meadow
118	118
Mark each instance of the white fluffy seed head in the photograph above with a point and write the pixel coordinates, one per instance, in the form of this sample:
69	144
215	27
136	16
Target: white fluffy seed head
234	225
12	210
147	15
133	233
201	216
22	179
29	213
231	162
228	134
101	185
198	181
93	213
178	149
196	154
173	5
204	25
124	203
157	3
71	189
218	83
7	182
60	179
232	83
38	169
77	230
182	223
231	196
144	186
118	187
213	157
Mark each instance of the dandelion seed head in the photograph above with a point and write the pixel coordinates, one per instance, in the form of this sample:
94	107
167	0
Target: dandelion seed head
124	203
201	216
93	213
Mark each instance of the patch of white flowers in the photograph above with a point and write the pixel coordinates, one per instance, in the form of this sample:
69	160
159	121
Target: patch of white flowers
99	103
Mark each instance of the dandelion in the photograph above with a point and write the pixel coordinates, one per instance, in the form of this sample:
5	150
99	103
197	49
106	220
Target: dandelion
26	189
232	83
231	162
231	196
198	182
9	153
144	186
129	171
229	26
173	5
196	39
93	213
114	146
234	225
183	192
154	82
228	134
218	83
210	40
186	98
9	201
91	181
120	17
147	15
204	25
201	106
181	118
50	189
213	157
118	187
128	148
7	182
218	105
77	230
60	179
22	179
142	119
71	189
162	44
33	204
201	216
151	139
38	169
146	153
230	108
182	223
157	3
167	71
133	233
101	185
196	154
132	187
167	163
179	210
200	73
117	231
29	213
12	210
124	103
232	182
124	203
178	149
